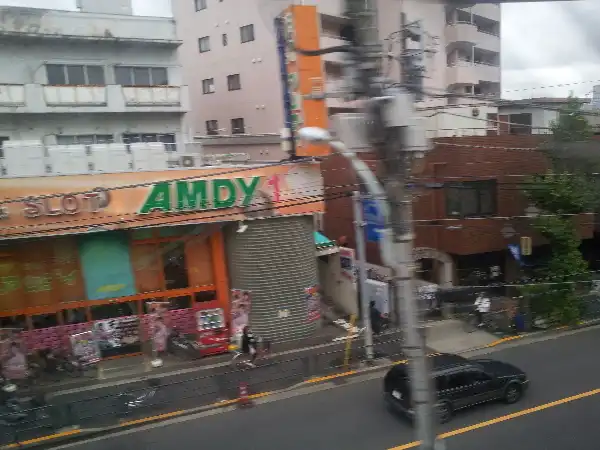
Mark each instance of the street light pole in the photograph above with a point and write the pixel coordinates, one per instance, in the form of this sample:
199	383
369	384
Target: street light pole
361	254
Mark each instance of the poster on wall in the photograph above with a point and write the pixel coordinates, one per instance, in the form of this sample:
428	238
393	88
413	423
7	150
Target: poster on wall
114	336
347	263
13	353
158	325
379	292
85	348
241	302
313	303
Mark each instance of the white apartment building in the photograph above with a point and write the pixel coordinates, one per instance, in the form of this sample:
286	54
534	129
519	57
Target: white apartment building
231	65
91	77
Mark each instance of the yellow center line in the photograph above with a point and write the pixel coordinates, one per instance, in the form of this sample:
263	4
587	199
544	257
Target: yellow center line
505	418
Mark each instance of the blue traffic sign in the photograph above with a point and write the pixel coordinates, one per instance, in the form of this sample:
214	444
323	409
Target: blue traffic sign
373	218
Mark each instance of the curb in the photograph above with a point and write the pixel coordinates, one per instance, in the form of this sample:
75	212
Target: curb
73	435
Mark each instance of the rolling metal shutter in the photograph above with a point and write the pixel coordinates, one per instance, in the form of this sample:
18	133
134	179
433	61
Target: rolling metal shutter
275	259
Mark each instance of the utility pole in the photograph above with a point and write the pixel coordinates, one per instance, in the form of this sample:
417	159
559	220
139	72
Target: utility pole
388	120
361	253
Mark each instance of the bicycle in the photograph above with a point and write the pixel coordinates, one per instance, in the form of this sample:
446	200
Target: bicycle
243	360
471	322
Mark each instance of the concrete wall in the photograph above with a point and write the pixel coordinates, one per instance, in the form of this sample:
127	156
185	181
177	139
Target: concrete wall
44	127
48	23
24	62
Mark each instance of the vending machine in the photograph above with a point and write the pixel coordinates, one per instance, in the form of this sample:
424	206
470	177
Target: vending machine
213	334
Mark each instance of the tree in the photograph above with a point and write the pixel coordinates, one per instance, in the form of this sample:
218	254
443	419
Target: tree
560	194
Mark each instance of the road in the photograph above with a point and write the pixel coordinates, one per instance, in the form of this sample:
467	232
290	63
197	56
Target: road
98	407
353	417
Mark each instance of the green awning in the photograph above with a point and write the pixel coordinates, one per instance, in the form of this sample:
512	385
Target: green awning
322	242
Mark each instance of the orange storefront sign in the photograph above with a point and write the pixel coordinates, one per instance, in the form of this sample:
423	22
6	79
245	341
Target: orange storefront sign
85	203
304	75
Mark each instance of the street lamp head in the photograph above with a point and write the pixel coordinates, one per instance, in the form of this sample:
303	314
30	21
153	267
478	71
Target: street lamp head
314	135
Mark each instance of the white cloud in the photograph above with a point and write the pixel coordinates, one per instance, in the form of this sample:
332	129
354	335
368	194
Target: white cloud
550	44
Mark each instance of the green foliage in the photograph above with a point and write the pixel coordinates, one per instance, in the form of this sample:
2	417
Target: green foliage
571	126
559	195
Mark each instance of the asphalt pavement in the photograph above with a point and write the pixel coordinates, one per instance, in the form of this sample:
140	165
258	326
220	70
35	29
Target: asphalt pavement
353	416
183	390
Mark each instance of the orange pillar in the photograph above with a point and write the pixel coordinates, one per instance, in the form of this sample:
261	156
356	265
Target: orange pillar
217	243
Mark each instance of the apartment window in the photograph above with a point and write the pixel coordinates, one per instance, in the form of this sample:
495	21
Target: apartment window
471	198
237	126
224	39
247	33
75	75
233	82
208	86
212	127
520	124
200	4
204	44
141	76
167	138
84	139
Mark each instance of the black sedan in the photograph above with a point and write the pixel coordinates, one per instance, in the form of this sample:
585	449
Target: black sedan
459	382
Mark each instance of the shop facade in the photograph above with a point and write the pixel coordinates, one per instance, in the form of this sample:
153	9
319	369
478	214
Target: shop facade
102	249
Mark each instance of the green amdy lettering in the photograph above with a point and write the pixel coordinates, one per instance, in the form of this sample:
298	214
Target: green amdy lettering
159	199
226	187
248	190
191	195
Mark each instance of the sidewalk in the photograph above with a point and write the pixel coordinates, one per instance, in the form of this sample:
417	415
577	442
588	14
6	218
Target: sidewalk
93	403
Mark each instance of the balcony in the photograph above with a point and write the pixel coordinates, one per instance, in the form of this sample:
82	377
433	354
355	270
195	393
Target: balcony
467	72
488	41
461	32
12	95
487	10
75	96
152	96
327	41
470	34
22	159
41	99
338	87
40	24
462	72
488	73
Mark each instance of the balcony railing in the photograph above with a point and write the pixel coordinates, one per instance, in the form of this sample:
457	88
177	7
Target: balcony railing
12	95
33	159
39	99
153	95
75	95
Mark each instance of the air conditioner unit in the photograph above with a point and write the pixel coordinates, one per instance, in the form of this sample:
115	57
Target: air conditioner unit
475	112
187	161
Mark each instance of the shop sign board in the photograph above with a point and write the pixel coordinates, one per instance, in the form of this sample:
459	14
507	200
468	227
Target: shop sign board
58	205
347	262
200	194
298	27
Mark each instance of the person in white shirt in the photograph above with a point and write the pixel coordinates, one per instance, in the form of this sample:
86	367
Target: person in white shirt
482	306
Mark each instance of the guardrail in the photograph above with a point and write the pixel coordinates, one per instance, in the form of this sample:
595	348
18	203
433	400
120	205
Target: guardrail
87	410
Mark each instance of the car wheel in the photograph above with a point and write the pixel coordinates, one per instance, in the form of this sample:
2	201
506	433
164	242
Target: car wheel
513	393
444	412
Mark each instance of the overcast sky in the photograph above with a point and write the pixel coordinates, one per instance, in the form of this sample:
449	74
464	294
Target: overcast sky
543	44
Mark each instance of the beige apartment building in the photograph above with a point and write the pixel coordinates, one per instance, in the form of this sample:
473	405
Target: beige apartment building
231	65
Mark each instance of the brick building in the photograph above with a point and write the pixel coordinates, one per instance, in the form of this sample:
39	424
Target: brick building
468	207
